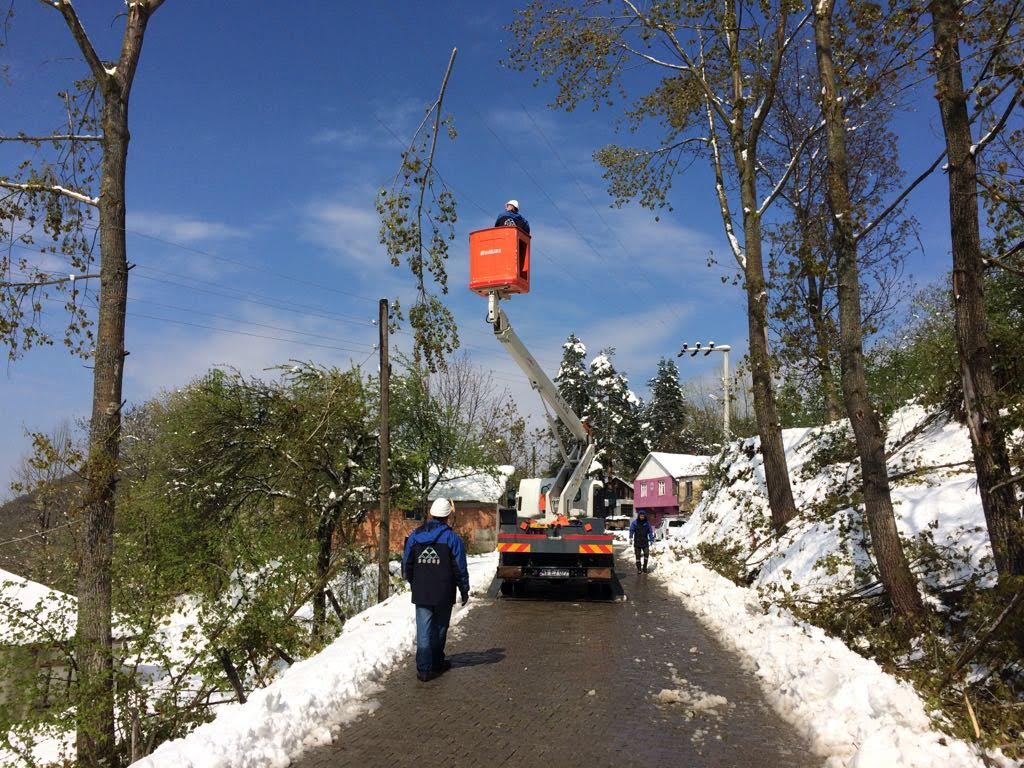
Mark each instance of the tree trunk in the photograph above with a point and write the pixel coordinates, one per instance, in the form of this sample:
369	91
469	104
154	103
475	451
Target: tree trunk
1002	511
893	568
776	472
822	356
325	543
95	736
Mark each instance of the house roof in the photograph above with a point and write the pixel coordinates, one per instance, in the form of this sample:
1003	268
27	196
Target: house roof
472	484
678	464
27	606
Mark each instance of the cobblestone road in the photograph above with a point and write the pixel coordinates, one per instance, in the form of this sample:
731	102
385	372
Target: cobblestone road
544	684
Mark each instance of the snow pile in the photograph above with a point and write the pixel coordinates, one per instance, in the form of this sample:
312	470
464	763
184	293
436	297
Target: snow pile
934	494
472	484
312	697
691	697
847	706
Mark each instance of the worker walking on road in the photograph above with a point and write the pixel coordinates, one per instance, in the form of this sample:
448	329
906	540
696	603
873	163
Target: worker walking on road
641	534
434	564
512	218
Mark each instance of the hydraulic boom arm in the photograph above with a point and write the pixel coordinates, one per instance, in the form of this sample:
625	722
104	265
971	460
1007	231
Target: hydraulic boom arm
578	458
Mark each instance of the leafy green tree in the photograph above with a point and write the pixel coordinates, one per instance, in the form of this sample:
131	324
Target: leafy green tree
445	423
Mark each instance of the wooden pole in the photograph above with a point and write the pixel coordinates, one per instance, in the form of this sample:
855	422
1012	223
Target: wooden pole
384	537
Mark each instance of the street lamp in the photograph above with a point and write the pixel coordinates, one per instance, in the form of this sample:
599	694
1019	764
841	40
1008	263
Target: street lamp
699	348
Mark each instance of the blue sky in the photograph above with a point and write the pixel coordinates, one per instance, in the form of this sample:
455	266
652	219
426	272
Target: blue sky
260	134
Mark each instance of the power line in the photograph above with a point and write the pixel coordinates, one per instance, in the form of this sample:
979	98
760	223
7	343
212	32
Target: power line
234	293
238	262
250	322
251	297
244	333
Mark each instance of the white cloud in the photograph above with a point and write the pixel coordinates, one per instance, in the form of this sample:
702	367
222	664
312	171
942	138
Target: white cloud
183	229
347	229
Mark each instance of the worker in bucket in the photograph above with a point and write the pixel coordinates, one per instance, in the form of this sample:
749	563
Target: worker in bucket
434	564
512	218
641	534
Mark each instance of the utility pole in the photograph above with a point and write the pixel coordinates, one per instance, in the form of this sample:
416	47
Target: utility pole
724	349
384	535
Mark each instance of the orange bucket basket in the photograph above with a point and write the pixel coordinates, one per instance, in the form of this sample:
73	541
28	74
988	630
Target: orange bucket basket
499	260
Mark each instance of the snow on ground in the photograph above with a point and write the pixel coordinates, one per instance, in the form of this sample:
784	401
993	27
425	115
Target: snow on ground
934	494
311	698
853	713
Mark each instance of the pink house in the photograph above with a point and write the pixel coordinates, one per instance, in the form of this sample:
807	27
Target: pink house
668	484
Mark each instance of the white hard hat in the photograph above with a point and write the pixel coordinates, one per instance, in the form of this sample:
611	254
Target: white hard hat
441	507
513	203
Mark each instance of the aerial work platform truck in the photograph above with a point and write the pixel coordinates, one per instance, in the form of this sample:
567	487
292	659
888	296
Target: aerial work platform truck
554	537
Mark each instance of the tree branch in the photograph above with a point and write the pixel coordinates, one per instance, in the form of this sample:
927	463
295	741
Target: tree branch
723	199
709	93
51	281
55	189
433	148
99	72
994	131
899	198
54	137
789	167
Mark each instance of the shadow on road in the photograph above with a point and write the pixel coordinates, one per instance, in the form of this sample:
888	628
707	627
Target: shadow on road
476	658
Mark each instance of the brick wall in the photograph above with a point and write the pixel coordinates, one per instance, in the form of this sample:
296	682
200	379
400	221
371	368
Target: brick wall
477	523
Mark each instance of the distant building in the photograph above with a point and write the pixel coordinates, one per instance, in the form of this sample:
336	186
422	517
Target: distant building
477	495
614	498
669	484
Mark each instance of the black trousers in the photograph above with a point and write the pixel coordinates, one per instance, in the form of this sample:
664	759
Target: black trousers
641	547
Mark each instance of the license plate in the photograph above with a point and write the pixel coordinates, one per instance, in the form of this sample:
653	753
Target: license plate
555	573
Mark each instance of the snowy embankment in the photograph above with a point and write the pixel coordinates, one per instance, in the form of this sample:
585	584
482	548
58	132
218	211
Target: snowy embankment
854	713
934	494
312	698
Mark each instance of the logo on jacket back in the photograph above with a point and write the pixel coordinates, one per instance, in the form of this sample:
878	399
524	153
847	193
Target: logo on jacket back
429	556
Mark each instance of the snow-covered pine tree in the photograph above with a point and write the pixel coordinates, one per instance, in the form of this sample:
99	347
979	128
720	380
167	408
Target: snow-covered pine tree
573	381
668	413
615	414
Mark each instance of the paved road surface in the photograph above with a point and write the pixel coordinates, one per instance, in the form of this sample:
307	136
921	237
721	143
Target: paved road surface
543	684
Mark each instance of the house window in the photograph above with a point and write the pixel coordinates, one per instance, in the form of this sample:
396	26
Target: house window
643	490
413	514
661	487
689	490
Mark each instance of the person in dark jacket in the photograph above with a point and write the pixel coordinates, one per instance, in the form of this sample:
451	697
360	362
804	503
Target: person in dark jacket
641	534
434	564
512	218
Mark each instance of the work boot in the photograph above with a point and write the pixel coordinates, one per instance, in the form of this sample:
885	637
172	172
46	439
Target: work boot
443	667
424	677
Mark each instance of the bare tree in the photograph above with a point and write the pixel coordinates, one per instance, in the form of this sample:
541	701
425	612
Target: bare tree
998	498
718	67
867	429
113	84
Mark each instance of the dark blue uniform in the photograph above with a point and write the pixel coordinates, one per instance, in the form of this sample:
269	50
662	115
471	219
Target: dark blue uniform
510	219
641	534
434	564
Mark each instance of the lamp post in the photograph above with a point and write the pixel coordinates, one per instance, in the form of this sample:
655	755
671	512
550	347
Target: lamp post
699	348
